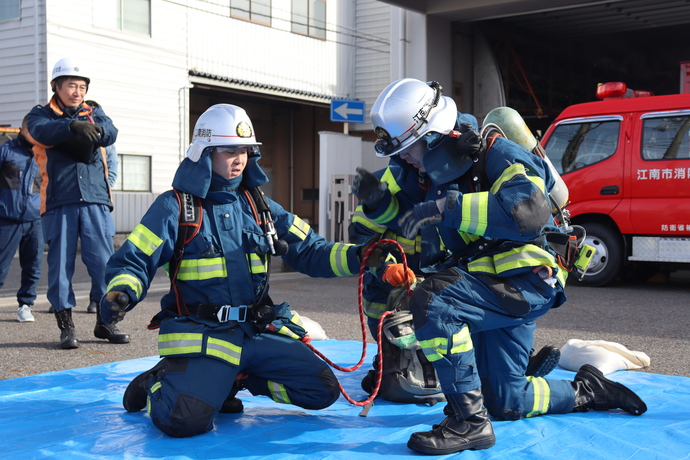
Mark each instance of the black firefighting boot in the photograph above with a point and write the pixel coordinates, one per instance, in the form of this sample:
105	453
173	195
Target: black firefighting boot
68	336
466	427
593	391
108	331
233	404
543	362
135	395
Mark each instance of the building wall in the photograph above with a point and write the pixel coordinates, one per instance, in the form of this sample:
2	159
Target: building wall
22	47
143	82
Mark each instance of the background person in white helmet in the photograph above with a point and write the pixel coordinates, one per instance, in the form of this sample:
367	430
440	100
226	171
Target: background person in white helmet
219	329
474	318
68	134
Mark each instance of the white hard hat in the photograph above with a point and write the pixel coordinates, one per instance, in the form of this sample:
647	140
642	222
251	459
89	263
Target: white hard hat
222	125
407	110
68	67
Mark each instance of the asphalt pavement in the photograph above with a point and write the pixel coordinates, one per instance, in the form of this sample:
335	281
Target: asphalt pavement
652	317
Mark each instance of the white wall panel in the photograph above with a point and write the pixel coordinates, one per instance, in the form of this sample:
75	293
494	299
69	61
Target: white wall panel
22	42
373	21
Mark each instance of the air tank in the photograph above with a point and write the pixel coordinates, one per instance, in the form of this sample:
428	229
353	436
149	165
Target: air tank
514	128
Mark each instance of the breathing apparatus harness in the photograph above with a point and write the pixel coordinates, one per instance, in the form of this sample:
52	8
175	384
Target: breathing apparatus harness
571	252
262	314
190	220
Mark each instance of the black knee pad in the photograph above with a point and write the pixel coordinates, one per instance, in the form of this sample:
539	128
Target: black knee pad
494	407
330	381
419	304
191	417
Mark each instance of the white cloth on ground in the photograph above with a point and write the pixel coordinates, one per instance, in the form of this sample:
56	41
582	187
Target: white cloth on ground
608	357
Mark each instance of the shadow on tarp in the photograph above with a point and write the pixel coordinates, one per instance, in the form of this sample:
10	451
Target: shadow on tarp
78	414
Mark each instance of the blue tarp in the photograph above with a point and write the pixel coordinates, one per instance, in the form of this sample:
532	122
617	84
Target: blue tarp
78	413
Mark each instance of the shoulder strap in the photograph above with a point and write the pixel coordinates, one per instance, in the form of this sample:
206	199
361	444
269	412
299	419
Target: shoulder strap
191	216
257	200
262	214
479	181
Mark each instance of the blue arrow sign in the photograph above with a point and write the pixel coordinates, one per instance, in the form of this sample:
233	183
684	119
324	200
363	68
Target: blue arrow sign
347	111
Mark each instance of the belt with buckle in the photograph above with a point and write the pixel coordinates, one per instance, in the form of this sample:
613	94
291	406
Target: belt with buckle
223	313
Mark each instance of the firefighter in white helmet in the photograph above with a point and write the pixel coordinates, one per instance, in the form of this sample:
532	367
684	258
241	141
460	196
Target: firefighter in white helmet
69	136
219	329
474	318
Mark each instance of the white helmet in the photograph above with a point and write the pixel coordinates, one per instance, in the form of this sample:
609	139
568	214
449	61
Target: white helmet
222	125
68	67
408	109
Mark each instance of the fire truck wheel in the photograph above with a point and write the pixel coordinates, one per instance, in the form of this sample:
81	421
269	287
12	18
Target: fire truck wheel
608	260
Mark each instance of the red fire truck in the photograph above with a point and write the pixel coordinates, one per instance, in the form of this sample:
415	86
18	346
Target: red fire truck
626	162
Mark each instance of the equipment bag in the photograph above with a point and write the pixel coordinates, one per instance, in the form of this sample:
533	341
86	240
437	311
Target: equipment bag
407	376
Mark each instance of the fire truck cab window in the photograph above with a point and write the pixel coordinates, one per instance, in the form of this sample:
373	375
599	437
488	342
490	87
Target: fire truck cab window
575	145
666	138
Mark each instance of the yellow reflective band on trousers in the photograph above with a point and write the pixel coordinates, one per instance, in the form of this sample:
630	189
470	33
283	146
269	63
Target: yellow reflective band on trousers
542	396
528	255
202	269
127	280
475	210
360	218
434	349
155	387
256	264
224	350
180	343
299	228
278	392
338	259
462	341
389	179
373	309
144	239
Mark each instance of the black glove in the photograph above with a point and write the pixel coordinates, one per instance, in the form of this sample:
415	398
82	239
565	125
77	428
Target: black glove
470	141
380	253
91	131
113	306
420	216
368	188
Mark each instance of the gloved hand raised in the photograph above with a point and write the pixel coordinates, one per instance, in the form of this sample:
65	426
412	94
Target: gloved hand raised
420	216
113	306
91	131
368	188
394	274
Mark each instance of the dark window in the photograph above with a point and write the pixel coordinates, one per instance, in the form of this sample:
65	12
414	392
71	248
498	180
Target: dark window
573	146
666	138
310	194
